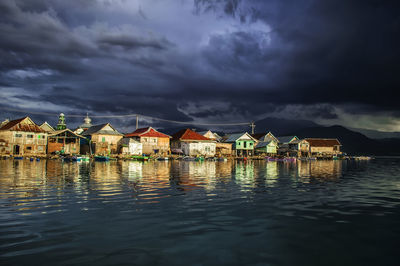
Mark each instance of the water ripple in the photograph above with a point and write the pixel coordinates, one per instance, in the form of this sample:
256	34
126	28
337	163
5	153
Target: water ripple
161	213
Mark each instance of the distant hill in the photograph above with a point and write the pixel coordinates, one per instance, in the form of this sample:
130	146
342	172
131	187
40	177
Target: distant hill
353	142
375	134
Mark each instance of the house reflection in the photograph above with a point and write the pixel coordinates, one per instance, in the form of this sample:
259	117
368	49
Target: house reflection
146	174
271	174
328	169
23	179
244	174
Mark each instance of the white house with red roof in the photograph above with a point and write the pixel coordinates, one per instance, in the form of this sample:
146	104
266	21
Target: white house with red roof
193	144
154	142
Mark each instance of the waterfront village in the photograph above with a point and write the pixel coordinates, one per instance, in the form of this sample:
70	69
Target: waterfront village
23	138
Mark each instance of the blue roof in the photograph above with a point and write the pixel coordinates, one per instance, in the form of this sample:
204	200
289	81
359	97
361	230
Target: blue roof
263	144
286	139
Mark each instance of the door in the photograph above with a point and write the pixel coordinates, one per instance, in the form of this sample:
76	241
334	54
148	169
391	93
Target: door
16	149
67	149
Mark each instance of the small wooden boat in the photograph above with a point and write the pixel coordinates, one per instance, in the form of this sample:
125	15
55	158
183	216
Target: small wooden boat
85	158
18	158
66	159
101	158
188	158
199	159
139	157
76	159
162	159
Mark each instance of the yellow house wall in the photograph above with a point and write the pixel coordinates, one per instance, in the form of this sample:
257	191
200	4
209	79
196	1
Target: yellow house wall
322	150
110	144
220	148
153	143
27	146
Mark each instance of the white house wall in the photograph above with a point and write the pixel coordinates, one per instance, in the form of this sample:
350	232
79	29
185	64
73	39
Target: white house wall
198	148
135	148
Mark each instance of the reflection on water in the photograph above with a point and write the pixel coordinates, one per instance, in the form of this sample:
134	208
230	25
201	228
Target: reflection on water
320	169
198	212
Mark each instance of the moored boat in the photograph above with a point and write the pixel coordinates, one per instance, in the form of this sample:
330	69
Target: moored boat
101	158
76	159
139	157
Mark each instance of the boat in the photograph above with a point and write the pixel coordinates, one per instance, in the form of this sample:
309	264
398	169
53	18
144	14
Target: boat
76	159
85	158
101	158
162	159
286	159
199	159
18	158
140	157
66	159
222	159
188	158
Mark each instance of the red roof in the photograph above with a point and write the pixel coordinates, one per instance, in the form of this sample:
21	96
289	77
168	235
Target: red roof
187	134
147	132
15	125
323	142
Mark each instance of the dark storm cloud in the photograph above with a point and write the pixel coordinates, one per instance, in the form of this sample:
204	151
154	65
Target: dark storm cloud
129	42
203	59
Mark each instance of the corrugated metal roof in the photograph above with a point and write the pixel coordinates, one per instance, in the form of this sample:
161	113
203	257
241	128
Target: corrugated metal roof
16	125
58	132
98	130
286	139
235	136
188	134
47	127
263	144
316	142
147	132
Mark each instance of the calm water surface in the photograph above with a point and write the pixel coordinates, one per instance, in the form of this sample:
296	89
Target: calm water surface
200	213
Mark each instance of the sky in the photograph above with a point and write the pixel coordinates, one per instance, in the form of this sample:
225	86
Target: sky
331	62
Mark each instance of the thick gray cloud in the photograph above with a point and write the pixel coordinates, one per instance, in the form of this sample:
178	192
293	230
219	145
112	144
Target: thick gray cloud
203	60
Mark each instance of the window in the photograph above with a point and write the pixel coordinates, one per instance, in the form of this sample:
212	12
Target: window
244	144
29	136
29	148
18	135
103	139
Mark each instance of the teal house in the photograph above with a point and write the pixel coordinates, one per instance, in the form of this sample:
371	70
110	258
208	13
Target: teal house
243	143
267	147
267	144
